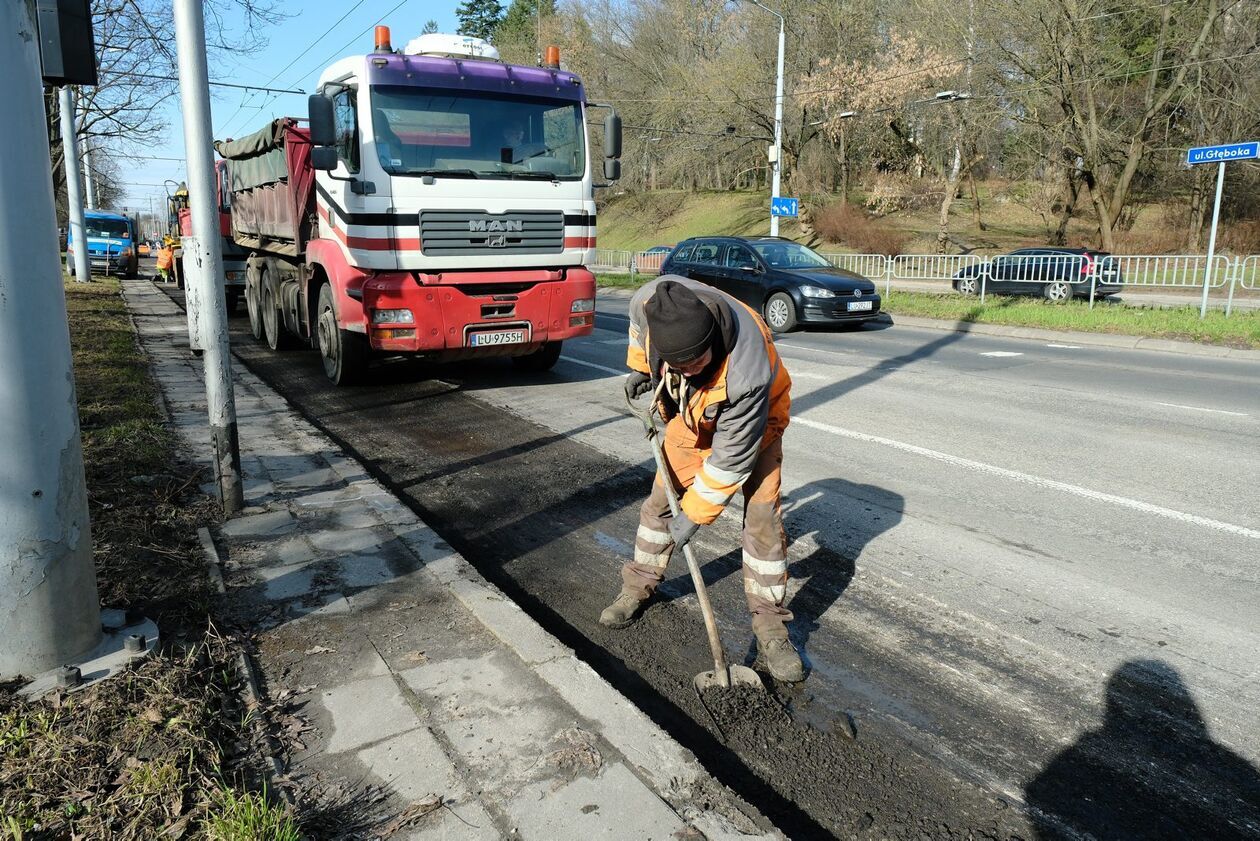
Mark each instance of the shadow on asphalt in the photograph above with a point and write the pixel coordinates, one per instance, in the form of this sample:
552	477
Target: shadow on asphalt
1150	771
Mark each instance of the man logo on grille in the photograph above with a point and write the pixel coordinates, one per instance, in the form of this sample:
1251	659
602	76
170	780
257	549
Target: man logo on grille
491	225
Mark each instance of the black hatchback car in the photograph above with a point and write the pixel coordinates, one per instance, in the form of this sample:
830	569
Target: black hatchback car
783	280
1055	273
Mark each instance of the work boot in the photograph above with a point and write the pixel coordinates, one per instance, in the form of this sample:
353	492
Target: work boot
623	612
781	659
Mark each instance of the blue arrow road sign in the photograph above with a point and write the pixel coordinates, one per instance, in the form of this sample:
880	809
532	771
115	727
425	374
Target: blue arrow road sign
1227	152
783	206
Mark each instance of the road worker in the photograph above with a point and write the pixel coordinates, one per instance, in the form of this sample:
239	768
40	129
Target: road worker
726	397
165	257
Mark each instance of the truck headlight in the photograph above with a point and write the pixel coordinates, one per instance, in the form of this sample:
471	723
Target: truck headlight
393	317
126	252
583	305
232	275
817	292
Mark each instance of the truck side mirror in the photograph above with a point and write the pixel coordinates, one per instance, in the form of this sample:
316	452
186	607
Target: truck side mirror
320	109
612	169
324	158
612	135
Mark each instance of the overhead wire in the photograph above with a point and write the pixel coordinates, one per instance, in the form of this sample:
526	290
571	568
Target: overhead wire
228	123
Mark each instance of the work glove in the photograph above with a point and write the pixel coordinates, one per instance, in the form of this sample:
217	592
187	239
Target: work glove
637	384
681	529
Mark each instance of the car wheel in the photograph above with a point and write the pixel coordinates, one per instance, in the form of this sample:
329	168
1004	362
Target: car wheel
540	360
344	353
969	285
780	313
1057	291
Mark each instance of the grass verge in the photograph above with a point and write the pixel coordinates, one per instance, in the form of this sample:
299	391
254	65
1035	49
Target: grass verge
159	751
1240	330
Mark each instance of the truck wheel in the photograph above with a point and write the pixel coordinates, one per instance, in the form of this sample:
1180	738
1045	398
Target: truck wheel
254	307
344	353
540	360
273	328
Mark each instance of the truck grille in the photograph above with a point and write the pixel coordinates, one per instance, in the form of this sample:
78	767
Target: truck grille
463	233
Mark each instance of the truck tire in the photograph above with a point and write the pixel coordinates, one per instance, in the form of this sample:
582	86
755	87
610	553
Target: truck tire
540	360
253	306
343	352
274	334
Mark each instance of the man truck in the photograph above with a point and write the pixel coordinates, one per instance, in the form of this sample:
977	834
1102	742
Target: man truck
439	202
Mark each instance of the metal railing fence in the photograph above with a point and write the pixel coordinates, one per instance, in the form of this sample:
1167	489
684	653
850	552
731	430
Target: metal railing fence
990	274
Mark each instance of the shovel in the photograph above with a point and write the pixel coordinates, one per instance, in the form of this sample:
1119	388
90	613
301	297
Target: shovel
723	675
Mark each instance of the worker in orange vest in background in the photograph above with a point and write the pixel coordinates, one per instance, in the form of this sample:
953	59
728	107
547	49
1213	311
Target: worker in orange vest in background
165	257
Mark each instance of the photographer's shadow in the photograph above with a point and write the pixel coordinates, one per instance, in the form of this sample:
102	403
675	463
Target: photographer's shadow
1151	770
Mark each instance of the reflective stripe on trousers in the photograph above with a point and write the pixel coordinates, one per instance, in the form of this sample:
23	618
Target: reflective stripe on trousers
764	543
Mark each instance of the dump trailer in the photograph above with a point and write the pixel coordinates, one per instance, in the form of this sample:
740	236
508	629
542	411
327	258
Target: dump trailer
439	203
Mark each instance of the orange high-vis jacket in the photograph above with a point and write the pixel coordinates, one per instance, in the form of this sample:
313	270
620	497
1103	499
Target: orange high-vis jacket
744	409
166	256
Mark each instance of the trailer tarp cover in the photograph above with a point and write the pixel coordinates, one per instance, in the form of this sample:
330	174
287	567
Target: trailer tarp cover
256	158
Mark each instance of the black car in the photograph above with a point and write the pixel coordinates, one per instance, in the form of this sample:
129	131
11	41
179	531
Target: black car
783	280
1054	273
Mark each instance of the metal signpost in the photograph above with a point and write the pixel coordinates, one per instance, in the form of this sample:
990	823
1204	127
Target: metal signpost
783	206
1218	155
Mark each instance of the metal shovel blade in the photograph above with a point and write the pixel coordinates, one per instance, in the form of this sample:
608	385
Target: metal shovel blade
735	676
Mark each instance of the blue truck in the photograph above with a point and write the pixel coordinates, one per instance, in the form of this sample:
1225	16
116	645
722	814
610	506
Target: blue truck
112	244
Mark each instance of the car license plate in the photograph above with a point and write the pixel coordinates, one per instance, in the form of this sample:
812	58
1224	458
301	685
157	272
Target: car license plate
497	337
854	306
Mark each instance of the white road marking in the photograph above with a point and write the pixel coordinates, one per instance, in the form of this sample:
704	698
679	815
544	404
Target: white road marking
1203	409
1065	347
809	375
1002	353
603	368
1029	479
618	341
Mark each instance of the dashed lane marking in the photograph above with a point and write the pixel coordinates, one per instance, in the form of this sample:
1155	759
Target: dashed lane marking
1203	409
1002	353
603	368
1029	479
1065	347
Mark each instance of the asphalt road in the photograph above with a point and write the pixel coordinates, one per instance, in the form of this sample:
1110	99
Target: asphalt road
1028	571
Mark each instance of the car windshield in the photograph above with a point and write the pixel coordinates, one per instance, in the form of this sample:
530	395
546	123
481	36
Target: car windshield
115	228
788	255
418	131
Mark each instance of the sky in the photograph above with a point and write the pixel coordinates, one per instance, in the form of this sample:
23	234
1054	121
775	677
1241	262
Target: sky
298	49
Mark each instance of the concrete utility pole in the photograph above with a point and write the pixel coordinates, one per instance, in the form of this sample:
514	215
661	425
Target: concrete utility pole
74	190
87	174
203	262
49	613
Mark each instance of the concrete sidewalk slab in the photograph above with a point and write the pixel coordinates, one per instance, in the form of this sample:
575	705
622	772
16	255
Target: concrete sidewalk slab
408	676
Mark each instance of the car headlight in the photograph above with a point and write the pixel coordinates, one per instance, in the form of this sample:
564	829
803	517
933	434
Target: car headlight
817	292
126	252
392	317
583	305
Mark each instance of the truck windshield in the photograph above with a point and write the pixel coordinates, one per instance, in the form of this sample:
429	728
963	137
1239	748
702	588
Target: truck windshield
115	228
419	131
